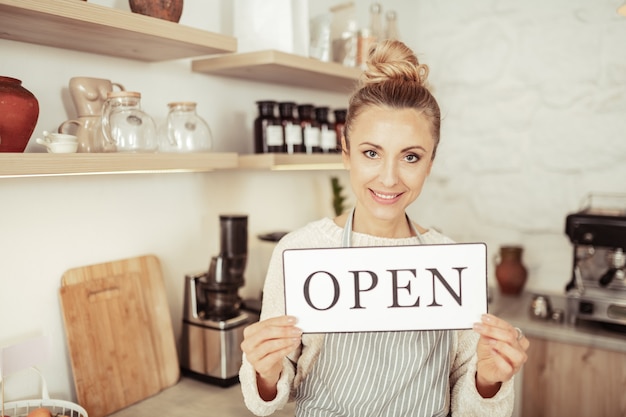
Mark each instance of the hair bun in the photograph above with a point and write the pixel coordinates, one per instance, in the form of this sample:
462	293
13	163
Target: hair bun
393	60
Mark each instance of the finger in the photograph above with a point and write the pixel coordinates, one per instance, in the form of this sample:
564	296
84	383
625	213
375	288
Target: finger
266	363
274	328
496	328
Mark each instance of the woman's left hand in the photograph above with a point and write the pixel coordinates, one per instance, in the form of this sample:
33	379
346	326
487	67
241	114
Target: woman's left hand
501	353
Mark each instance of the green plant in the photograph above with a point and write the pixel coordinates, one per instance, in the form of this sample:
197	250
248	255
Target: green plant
338	198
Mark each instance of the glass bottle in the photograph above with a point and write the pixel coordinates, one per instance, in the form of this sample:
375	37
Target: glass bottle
185	130
310	128
291	127
328	137
268	131
127	128
340	122
376	25
391	31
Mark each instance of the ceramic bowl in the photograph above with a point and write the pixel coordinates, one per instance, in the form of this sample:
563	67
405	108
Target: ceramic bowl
59	137
62	147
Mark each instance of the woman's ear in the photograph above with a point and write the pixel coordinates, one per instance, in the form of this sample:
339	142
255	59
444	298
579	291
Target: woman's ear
345	153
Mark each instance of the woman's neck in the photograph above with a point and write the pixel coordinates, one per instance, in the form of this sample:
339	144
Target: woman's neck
394	228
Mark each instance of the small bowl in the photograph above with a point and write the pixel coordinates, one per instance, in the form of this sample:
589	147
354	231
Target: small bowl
62	147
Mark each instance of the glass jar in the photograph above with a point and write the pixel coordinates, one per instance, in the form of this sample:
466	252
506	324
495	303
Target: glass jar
127	128
185	130
328	137
291	127
268	131
310	129
340	122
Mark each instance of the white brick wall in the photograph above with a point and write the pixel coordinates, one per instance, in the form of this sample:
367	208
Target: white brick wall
533	96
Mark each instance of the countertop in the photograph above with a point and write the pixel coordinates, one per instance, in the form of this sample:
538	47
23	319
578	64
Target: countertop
516	310
193	398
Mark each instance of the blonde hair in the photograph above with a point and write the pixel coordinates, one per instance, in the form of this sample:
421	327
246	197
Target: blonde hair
394	78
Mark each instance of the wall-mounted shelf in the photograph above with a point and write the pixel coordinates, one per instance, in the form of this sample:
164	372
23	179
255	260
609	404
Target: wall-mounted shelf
281	68
86	27
14	165
45	164
286	162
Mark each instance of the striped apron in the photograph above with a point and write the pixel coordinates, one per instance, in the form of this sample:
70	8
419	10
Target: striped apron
378	373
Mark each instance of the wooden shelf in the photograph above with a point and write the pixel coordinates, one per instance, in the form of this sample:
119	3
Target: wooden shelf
13	165
82	26
294	162
45	164
281	68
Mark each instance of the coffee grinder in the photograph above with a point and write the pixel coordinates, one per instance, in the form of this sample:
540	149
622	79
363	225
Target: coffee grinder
213	320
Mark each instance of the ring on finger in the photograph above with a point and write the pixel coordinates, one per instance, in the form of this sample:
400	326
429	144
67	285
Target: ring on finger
520	333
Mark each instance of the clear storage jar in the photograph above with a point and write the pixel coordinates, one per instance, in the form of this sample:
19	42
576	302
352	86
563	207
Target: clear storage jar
125	127
184	130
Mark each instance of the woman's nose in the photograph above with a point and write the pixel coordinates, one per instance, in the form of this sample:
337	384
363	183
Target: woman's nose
389	173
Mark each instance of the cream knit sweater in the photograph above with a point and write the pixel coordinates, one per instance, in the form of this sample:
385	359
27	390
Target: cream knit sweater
464	399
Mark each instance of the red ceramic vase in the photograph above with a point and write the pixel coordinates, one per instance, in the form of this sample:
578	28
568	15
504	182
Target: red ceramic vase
163	9
19	111
511	273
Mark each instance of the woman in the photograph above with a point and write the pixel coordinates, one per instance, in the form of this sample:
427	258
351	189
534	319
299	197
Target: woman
389	144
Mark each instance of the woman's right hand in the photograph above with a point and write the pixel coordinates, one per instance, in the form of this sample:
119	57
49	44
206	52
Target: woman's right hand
265	344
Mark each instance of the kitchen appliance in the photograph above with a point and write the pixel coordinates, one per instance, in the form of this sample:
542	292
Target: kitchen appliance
213	317
597	290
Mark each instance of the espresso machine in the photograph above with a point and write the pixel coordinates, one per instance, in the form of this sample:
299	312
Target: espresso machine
213	320
597	289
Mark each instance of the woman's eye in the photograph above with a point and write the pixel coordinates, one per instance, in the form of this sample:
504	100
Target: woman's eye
370	154
412	158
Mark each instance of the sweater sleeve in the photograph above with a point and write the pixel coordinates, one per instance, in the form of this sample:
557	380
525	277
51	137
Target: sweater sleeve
465	399
273	305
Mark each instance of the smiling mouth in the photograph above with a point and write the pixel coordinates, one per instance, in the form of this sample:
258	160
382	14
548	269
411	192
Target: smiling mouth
385	196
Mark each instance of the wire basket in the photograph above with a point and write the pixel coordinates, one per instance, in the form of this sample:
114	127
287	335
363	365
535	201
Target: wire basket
58	408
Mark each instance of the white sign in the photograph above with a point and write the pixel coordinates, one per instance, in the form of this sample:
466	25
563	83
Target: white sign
422	287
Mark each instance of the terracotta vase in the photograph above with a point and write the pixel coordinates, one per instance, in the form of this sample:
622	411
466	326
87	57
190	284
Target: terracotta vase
163	9
511	273
19	111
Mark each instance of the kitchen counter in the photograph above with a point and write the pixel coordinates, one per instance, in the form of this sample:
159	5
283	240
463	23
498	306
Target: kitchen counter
516	310
193	398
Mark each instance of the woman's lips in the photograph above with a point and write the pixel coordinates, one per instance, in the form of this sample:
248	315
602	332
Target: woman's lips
386	198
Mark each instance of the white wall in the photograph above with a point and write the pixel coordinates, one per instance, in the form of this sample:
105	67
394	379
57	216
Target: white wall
533	97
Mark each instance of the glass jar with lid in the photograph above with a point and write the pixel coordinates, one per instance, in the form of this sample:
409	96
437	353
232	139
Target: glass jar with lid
291	127
340	122
125	126
268	131
328	137
184	130
310	128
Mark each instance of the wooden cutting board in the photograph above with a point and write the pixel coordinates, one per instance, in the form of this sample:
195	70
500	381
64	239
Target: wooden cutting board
119	333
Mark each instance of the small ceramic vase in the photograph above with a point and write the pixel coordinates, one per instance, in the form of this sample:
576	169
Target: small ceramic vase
511	273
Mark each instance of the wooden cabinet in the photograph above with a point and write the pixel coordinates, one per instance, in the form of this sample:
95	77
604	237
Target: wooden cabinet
562	379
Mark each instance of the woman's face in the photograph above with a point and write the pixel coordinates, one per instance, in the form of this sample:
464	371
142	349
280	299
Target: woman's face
389	159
